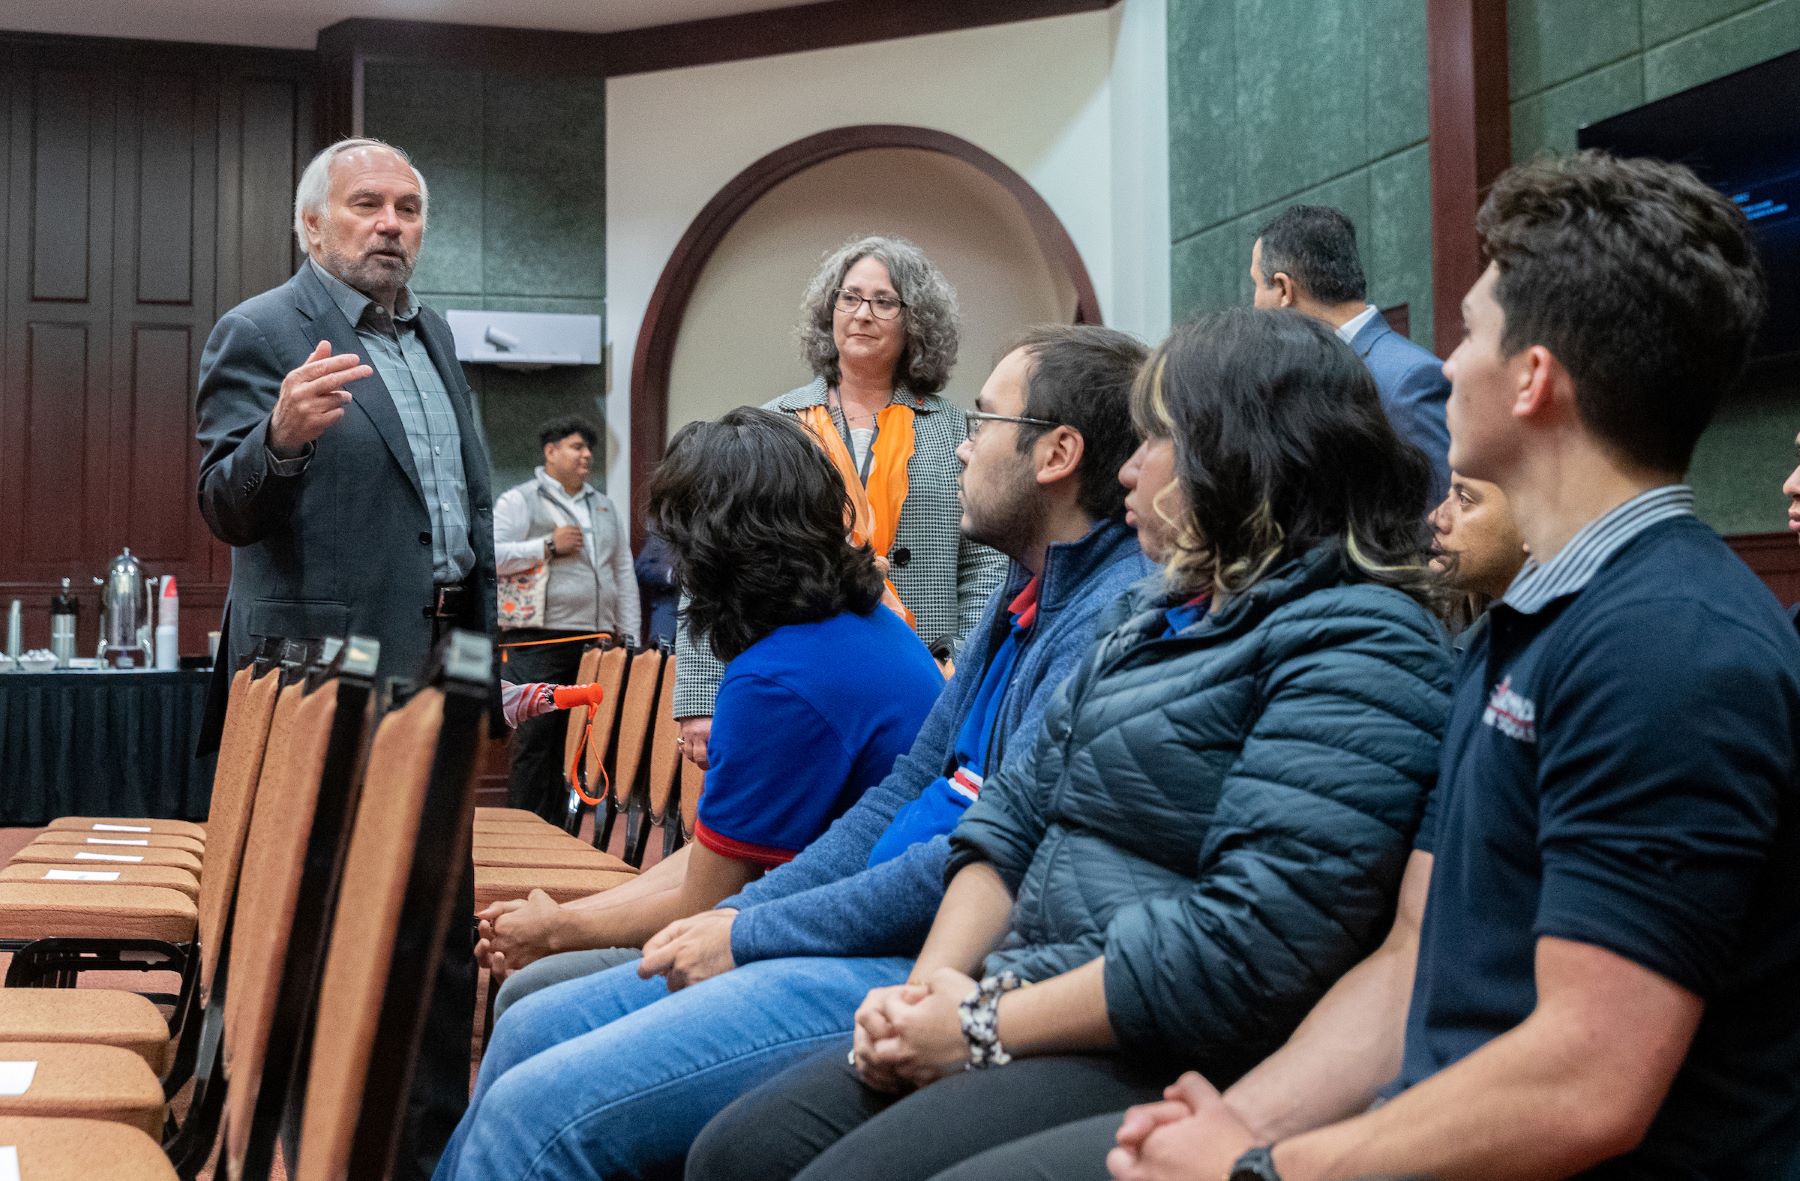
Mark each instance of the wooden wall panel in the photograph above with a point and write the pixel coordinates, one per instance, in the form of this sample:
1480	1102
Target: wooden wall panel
268	179
162	434
54	418
167	144
67	198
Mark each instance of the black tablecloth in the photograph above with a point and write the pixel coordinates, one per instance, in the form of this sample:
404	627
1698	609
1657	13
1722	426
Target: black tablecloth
102	744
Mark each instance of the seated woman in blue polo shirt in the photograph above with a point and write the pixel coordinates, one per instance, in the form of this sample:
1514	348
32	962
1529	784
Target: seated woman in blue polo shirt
824	687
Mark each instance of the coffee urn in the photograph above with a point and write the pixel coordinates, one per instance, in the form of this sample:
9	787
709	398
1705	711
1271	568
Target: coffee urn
124	613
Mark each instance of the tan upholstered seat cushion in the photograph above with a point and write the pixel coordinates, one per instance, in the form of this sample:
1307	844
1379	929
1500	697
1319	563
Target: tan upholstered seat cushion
83	1150
564	885
107	842
548	839
83	857
482	814
497	826
101	1016
86	1082
94	910
111	826
587	857
166	876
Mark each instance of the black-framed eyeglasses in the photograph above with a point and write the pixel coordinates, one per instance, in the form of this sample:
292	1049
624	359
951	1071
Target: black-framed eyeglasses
978	418
882	307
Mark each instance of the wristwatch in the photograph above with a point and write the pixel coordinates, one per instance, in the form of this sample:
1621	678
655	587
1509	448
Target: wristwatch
1256	1165
549	548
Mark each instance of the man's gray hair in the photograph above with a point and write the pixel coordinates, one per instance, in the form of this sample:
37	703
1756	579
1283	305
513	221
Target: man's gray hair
930	314
315	183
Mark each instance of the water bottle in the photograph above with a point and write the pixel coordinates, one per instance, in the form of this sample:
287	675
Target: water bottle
168	626
65	615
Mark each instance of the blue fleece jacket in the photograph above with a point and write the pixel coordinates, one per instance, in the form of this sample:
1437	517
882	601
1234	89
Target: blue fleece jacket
829	900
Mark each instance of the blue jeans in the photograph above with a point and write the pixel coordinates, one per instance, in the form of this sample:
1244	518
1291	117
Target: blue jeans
609	1075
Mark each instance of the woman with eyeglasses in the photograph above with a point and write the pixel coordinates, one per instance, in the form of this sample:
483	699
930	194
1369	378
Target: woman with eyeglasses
878	328
1213	822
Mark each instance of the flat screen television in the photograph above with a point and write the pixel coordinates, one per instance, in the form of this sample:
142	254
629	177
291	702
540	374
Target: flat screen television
1741	134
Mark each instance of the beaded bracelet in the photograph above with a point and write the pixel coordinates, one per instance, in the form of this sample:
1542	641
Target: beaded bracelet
980	1012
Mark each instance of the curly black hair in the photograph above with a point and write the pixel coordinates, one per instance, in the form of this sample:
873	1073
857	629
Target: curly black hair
755	517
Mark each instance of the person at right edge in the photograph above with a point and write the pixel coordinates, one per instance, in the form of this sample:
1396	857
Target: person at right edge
878	327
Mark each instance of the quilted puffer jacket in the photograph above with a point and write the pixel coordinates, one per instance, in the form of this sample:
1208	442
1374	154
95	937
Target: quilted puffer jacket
1223	813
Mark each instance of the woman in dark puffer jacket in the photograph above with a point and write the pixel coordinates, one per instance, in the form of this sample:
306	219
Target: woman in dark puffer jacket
1214	820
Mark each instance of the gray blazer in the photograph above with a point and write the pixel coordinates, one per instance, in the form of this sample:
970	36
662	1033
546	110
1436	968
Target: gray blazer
345	546
943	578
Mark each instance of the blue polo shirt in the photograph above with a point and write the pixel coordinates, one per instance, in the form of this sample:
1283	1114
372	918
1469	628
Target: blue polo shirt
806	719
1620	770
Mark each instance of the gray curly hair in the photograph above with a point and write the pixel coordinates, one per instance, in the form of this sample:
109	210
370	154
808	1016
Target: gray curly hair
930	315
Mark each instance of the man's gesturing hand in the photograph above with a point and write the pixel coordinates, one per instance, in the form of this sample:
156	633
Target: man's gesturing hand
312	398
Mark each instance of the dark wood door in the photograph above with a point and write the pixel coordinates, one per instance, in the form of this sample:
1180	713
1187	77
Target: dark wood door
144	194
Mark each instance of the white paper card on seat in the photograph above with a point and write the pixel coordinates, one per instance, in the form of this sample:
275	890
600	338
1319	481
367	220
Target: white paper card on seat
82	875
9	1163
112	841
106	857
16	1076
121	828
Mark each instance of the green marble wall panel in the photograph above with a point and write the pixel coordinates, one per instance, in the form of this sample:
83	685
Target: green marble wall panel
1742	459
1548	120
1203	127
430	112
1766	31
1302	81
1211	269
1396	240
1552	41
1273	102
1665	20
545	172
517	171
1399	98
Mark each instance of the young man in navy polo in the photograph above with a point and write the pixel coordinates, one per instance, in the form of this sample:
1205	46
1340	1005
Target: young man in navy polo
1595	968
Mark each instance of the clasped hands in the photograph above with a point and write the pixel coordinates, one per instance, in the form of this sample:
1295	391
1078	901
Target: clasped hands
516	931
910	1035
1192	1134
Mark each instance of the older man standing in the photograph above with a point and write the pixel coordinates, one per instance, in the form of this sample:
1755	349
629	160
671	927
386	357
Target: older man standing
342	464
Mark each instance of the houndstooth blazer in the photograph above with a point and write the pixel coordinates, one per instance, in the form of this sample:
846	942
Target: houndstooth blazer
943	578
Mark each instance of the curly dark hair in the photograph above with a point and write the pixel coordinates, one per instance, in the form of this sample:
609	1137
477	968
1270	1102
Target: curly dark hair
1640	278
754	514
1281	444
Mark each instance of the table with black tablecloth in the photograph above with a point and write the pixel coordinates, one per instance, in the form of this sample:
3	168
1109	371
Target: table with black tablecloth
88	743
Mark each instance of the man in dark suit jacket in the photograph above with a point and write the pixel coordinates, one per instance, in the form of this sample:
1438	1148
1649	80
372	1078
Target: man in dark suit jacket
343	465
1306	259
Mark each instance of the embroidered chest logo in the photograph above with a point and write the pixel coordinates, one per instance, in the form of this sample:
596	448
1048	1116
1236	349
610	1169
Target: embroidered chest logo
1511	714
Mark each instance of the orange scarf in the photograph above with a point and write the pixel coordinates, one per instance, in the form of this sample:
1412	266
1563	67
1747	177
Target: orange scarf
875	508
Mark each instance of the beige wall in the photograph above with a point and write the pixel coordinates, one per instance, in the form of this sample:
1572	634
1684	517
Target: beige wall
1074	104
737	344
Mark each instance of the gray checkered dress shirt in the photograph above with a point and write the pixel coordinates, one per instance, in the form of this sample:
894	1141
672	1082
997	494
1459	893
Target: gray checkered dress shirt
397	351
943	578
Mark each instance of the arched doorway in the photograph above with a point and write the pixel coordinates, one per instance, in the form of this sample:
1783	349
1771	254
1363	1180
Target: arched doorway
654	362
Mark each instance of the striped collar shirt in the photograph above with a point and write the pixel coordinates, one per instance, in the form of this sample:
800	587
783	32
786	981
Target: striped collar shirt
1575	565
395	346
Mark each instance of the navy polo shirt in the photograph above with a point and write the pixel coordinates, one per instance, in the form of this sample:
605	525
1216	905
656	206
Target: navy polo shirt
1620	770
